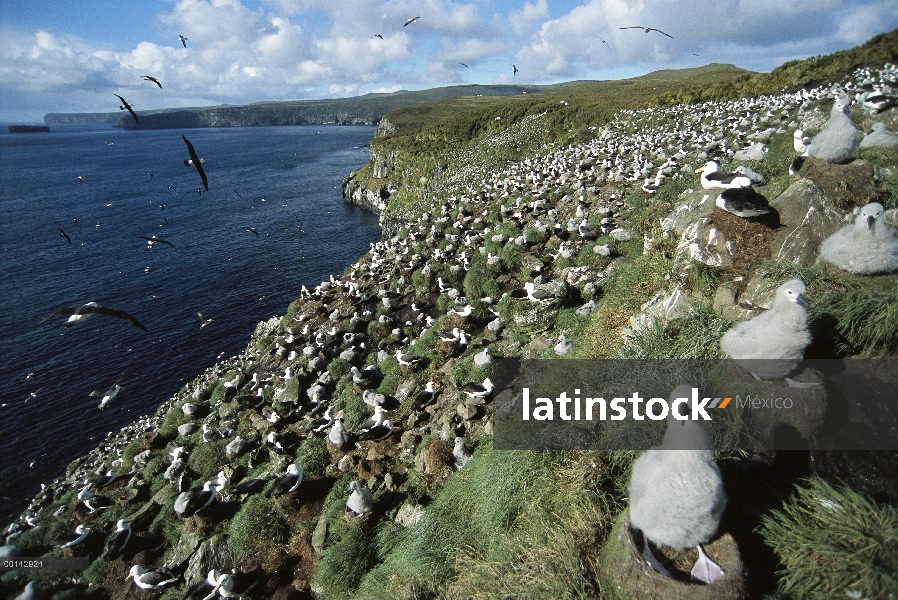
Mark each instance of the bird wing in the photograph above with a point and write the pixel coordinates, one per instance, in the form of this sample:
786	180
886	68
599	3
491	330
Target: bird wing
251	230
128	106
661	32
161	241
154	80
114	313
236	192
64	234
196	162
61	311
632	27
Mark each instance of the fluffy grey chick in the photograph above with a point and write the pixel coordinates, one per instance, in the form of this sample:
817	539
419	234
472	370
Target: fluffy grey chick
676	490
461	454
866	247
771	345
360	500
836	142
880	137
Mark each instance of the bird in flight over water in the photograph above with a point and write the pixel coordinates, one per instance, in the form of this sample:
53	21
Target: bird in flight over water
153	79
196	162
648	29
91	308
128	106
515	72
64	234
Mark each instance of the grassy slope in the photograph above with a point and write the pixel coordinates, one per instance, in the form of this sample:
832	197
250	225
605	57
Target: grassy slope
458	547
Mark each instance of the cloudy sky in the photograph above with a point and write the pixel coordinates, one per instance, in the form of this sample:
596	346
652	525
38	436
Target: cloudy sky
71	56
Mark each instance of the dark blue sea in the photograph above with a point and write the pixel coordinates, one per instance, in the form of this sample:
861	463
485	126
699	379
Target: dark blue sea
216	267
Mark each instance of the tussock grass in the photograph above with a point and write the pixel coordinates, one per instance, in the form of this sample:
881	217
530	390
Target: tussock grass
206	459
312	456
866	320
834	541
256	527
692	337
623	293
507	522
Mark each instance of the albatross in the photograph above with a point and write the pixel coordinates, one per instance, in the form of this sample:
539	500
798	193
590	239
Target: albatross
128	106
183	40
196	162
156	81
115	546
714	179
647	29
74	538
410	21
153	240
286	483
65	235
151	579
91	308
109	395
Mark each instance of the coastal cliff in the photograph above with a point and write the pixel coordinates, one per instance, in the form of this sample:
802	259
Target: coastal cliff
629	263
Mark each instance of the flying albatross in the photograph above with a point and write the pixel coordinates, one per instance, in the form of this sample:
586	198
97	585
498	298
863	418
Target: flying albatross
64	234
128	106
83	312
195	161
156	81
183	40
110	394
647	29
153	240
410	21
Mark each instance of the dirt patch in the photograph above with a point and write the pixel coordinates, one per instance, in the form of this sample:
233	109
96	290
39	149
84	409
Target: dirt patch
751	239
847	185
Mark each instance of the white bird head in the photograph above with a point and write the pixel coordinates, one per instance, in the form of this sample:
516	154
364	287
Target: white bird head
871	213
292	469
794	291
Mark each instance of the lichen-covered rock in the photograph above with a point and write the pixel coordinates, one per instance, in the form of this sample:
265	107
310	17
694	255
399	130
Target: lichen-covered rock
703	242
810	218
665	305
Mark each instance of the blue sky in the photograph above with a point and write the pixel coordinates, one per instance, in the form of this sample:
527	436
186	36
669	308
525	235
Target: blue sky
71	56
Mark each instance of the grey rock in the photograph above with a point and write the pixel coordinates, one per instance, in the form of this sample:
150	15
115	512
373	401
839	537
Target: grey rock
810	218
187	429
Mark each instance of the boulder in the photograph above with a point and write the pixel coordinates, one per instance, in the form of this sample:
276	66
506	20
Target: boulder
702	241
810	218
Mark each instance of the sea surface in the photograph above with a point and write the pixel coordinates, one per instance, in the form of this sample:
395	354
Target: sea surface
288	180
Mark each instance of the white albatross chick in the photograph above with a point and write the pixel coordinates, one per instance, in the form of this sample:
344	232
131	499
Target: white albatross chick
773	342
676	490
866	247
360	500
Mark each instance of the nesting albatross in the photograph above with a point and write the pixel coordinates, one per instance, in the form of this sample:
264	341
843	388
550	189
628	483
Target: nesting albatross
771	345
866	247
676	490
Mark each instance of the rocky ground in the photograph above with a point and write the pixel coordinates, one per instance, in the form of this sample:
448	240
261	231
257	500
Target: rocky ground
568	220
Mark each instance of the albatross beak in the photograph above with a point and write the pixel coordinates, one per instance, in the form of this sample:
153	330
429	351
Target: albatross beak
700	170
870	221
802	301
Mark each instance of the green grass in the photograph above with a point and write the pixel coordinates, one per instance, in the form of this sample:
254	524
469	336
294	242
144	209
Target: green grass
207	459
832	539
866	320
696	336
507	521
312	456
256	527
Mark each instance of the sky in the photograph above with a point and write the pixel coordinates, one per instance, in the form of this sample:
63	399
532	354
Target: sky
72	55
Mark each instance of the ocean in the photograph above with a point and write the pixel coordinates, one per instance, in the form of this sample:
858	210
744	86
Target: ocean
288	180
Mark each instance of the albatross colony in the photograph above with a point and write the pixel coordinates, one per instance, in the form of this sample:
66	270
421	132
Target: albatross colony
291	372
